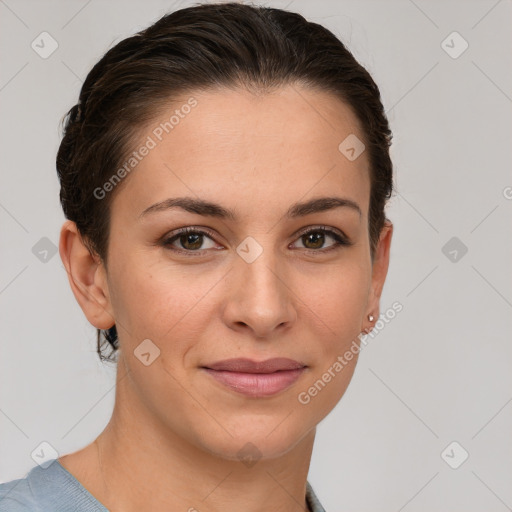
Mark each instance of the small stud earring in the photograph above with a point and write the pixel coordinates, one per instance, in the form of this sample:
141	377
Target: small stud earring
370	317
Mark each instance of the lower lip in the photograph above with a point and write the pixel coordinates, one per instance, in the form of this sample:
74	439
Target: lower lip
257	384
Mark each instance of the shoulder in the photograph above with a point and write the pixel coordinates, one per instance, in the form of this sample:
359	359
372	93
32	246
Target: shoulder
47	487
17	496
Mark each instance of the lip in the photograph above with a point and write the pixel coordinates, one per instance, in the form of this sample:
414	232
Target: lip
244	365
256	378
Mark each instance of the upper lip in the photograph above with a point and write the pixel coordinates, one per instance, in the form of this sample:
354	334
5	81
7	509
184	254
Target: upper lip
244	365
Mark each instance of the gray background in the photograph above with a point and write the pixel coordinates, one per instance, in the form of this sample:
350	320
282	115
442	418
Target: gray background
441	371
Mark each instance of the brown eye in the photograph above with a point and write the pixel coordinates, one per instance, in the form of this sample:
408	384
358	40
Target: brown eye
189	240
314	239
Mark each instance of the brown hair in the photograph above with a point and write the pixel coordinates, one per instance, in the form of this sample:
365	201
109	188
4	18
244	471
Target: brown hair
200	47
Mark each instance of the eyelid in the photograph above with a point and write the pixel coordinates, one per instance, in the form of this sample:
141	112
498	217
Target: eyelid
326	229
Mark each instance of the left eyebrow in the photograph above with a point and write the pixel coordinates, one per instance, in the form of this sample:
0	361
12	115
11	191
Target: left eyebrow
322	204
209	209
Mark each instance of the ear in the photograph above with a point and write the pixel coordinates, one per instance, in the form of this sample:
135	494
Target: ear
87	277
379	272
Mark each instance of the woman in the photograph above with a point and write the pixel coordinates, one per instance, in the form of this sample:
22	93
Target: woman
224	175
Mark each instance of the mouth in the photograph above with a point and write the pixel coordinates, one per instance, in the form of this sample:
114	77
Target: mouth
256	378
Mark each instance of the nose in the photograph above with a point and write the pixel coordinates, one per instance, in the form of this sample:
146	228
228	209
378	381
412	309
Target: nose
260	297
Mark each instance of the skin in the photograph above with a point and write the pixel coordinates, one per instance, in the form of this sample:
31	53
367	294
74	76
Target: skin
173	438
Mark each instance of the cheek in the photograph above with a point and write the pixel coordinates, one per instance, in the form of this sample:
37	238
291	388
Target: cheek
160	302
337	298
337	308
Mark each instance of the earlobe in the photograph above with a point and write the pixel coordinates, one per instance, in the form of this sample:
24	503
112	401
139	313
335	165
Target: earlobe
87	277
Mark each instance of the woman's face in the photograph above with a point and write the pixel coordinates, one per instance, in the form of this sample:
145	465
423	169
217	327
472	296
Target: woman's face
245	283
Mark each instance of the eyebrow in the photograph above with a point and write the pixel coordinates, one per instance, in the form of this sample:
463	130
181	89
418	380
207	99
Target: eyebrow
209	209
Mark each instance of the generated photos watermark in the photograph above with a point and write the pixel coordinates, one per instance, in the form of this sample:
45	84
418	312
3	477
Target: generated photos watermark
150	143
304	397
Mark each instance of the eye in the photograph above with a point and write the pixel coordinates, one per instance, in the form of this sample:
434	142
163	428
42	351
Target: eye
189	239
314	239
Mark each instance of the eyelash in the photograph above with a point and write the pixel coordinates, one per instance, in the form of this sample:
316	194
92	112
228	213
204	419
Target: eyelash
340	241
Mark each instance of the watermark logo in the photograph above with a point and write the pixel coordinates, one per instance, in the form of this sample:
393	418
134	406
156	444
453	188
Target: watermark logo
249	249
454	45
146	352
454	249
351	147
44	454
44	250
454	455
44	45
249	455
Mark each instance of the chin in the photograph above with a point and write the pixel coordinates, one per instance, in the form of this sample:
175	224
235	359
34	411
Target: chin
264	439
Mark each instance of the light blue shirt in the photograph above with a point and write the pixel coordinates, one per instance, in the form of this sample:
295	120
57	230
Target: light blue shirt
55	489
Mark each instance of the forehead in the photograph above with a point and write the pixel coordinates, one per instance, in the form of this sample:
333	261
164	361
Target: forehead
249	149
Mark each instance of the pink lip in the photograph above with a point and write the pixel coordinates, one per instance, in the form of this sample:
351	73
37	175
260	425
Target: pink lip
256	378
